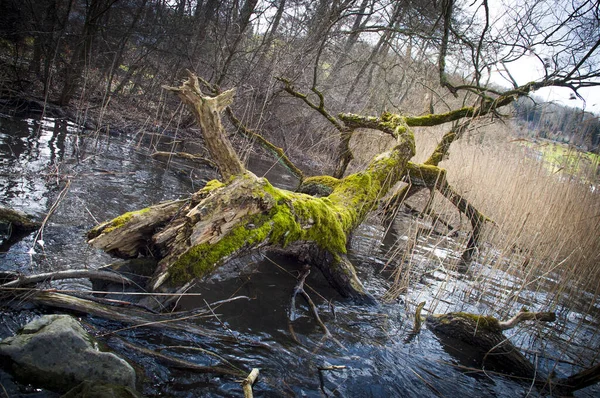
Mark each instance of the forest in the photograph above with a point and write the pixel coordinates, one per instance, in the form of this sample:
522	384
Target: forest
411	169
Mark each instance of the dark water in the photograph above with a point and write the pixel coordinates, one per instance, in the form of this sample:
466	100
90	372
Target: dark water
85	178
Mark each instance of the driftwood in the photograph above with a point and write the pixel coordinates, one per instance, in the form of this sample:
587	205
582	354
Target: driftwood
484	335
130	316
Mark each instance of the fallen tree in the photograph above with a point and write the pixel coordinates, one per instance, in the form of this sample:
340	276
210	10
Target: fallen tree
242	212
484	335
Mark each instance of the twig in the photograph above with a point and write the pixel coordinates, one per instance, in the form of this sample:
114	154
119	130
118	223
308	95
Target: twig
186	156
428	384
322	378
299	289
180	363
221	322
40	233
248	382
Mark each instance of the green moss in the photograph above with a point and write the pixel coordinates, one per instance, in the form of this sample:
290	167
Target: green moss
482	322
393	123
212	185
118	222
440	118
319	185
428	174
293	217
202	259
289	217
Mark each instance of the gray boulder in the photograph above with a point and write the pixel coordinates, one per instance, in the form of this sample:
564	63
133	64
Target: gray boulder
55	352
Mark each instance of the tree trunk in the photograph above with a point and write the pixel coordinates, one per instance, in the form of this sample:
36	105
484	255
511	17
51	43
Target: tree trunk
244	212
74	71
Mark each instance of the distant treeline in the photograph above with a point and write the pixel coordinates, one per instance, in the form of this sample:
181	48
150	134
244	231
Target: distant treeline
559	123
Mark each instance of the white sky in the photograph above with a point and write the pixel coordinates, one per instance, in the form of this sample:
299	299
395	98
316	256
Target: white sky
529	68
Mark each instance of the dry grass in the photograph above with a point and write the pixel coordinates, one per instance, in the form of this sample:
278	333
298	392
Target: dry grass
543	252
547	225
551	220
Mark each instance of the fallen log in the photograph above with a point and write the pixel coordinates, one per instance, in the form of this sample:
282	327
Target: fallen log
19	220
243	212
483	334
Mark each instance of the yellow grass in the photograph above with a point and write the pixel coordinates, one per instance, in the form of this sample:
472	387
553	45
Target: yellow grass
546	224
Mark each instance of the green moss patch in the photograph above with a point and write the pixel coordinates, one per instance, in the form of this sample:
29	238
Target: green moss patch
123	219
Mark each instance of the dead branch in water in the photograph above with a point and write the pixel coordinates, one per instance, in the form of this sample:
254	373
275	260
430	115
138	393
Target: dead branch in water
181	363
130	316
248	382
523	316
24	280
299	290
185	156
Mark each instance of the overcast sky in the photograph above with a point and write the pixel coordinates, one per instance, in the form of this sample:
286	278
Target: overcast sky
529	68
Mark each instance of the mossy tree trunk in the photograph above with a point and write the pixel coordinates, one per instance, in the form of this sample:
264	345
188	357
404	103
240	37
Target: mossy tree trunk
484	335
244	212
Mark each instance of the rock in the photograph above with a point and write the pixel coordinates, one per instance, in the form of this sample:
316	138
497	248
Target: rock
56	353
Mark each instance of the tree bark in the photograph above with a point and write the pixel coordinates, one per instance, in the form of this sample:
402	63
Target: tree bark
207	112
244	212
